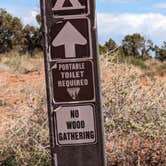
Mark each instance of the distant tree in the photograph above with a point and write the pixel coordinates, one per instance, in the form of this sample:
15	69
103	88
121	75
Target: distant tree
102	49
110	44
136	45
161	52
32	39
14	36
147	47
10	31
38	19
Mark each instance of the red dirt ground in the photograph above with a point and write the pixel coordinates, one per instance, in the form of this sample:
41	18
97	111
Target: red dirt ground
11	96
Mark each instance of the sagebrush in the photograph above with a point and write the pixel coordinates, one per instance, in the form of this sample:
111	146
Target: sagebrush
134	108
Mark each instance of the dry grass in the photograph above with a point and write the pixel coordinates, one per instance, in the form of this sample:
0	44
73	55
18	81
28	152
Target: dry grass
25	140
20	63
155	68
134	108
133	102
135	116
132	150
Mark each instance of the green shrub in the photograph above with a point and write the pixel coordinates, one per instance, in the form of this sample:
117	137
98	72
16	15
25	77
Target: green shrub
8	161
136	61
161	69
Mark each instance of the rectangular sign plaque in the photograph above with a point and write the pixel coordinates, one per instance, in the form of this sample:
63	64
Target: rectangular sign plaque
71	39
72	82
70	8
75	125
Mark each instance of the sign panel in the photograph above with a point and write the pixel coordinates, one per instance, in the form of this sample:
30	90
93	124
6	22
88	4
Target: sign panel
75	125
73	89
73	81
70	39
70	7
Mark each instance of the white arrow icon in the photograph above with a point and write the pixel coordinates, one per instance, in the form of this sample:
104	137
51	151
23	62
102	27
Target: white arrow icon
69	36
75	5
73	92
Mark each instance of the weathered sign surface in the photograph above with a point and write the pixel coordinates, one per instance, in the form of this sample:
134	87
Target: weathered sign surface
72	79
77	126
70	7
76	44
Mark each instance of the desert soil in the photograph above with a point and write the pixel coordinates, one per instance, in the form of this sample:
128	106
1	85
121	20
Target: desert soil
13	84
11	87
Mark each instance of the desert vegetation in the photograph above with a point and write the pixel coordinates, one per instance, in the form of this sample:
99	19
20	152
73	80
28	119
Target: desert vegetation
135	115
133	104
27	39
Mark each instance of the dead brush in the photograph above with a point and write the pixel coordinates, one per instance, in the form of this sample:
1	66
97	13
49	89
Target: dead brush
133	150
21	63
131	104
26	141
135	121
135	115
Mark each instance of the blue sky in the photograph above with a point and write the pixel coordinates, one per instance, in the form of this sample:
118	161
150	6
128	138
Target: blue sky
131	6
116	18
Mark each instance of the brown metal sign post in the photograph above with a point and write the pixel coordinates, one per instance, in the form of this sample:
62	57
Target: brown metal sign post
72	79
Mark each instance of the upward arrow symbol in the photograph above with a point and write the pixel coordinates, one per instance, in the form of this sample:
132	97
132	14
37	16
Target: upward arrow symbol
69	36
75	5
